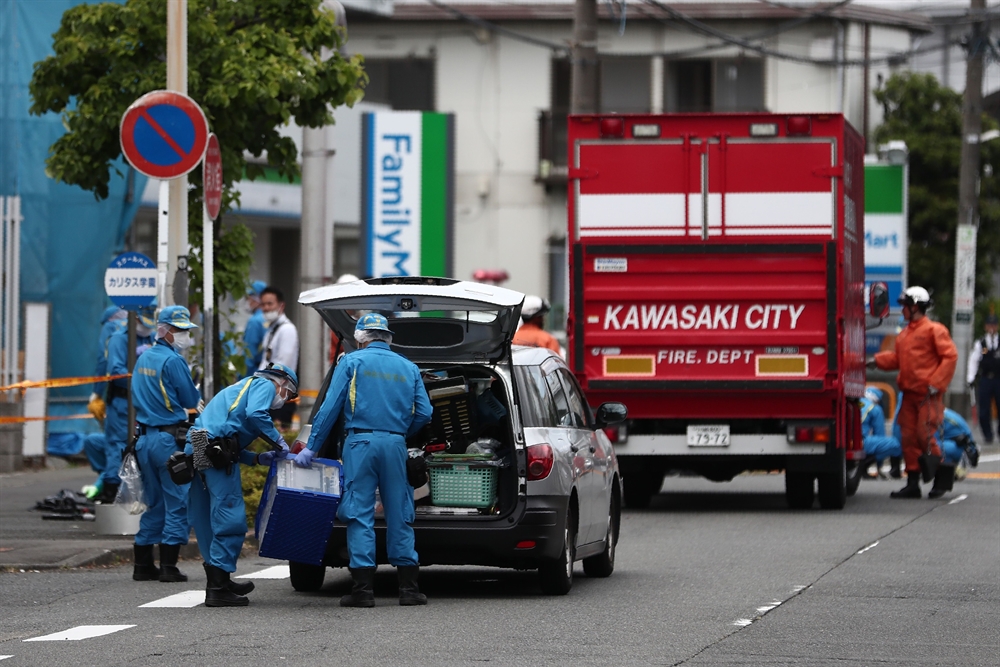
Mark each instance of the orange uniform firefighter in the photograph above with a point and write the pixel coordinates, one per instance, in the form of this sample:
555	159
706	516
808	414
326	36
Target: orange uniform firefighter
532	332
925	357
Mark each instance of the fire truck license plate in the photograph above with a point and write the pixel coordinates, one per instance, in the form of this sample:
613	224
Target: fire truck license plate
712	435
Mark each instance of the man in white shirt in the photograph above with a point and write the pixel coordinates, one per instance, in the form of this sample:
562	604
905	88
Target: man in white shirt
281	344
985	361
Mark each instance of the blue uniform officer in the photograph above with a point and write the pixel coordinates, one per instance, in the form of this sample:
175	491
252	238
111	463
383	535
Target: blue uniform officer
878	445
253	334
383	400
231	421
162	393
94	445
116	422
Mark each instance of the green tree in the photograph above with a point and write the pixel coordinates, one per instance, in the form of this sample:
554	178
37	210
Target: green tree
928	117
253	65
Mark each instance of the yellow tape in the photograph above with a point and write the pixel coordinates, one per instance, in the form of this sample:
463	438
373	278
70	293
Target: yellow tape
21	420
62	382
309	393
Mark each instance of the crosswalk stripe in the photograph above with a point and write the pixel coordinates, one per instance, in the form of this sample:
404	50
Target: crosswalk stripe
4	657
989	458
81	632
276	572
182	600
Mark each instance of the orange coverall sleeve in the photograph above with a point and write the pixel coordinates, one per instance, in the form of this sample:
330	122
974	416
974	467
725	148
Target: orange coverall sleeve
948	354
887	361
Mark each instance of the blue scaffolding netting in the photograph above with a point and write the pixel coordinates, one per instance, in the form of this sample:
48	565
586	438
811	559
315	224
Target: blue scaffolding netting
67	236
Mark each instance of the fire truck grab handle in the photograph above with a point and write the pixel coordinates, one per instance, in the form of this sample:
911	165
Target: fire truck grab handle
830	172
582	173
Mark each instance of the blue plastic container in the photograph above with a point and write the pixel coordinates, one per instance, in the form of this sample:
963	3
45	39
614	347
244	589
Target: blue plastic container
297	510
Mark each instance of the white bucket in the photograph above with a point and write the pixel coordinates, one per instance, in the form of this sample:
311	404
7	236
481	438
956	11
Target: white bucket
114	520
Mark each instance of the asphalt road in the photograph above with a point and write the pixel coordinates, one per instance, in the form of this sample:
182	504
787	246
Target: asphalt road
711	574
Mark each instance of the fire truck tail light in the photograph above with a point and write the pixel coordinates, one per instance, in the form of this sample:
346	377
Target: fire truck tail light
821	434
540	460
612	128
803	434
799	126
763	129
646	131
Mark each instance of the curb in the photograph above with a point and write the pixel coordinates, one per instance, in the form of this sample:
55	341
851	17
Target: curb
117	556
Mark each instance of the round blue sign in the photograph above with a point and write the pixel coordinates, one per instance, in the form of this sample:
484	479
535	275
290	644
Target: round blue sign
131	281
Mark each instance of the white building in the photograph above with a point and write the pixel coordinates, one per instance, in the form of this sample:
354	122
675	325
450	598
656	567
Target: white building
507	82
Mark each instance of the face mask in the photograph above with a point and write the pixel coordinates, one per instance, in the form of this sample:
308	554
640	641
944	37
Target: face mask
183	340
143	331
277	401
271	315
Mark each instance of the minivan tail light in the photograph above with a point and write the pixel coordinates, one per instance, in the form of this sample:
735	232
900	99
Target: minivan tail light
540	461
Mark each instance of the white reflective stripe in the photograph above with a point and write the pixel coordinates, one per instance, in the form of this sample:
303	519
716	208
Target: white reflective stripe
740	444
276	572
81	632
608	231
179	600
779	209
778	231
714	210
631	211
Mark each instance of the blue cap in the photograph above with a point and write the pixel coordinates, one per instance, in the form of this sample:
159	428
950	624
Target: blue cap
177	316
372	322
256	287
281	371
147	317
108	312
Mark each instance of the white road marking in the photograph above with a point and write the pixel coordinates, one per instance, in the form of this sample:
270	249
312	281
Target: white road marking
870	546
799	588
742	622
959	499
81	632
276	572
4	657
989	458
766	608
179	600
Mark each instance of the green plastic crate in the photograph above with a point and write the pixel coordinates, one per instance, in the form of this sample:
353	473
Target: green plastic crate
463	485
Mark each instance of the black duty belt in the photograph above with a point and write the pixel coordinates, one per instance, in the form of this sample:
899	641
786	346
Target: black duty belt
117	392
368	430
169	428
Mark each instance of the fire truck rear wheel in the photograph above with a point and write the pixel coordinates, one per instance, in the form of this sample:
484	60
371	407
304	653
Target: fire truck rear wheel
833	488
640	488
799	489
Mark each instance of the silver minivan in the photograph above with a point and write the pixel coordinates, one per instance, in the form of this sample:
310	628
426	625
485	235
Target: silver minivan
557	494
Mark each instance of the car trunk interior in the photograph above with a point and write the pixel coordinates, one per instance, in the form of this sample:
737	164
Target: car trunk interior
469	445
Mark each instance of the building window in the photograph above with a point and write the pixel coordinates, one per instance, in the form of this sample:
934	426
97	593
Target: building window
625	84
725	84
552	149
405	84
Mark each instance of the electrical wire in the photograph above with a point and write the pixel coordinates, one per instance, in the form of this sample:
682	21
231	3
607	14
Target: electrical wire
500	30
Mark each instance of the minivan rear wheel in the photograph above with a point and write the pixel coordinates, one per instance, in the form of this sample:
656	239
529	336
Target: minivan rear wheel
556	576
306	578
603	564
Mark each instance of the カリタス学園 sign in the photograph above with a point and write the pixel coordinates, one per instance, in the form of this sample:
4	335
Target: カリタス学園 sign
131	281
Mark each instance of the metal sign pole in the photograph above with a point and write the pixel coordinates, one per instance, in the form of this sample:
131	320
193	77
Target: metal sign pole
132	340
208	301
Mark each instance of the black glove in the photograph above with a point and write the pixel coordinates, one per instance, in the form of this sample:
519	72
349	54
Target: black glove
416	471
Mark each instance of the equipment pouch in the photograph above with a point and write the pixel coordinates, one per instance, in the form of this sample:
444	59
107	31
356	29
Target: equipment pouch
223	453
180	435
181	468
416	471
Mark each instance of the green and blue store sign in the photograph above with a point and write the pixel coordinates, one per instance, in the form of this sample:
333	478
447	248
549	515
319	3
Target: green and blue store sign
408	193
886	238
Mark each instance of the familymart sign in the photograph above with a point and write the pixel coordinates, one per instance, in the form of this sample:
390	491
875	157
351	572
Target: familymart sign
407	194
885	226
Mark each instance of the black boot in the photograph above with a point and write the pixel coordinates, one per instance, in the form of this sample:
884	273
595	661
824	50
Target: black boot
409	593
894	463
868	463
912	488
168	563
944	480
218	593
362	595
239	589
144	569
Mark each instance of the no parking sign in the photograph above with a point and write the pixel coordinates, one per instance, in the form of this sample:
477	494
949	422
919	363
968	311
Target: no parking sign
164	134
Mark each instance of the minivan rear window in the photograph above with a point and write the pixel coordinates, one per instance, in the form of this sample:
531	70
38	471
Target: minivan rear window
536	404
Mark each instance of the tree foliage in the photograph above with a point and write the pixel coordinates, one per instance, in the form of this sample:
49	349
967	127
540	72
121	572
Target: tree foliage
253	66
928	117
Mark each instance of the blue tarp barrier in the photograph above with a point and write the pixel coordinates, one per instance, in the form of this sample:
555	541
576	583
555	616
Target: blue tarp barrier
67	236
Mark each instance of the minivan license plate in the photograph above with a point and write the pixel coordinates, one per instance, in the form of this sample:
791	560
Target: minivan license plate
709	435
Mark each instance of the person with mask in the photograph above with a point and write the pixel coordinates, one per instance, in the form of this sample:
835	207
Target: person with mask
162	393
532	332
253	333
985	362
281	344
383	400
878	445
116	422
217	443
926	357
113	319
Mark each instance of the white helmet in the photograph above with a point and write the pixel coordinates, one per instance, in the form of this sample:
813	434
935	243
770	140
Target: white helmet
347	278
915	296
534	306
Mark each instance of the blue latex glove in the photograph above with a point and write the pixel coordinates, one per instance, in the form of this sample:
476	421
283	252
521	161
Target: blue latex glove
265	458
304	458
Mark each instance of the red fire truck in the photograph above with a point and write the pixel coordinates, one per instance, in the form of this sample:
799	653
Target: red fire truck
717	289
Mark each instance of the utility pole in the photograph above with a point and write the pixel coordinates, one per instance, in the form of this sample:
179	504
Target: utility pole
316	240
968	209
176	290
583	85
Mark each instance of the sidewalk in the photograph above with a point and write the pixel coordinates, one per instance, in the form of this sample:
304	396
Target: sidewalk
27	542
